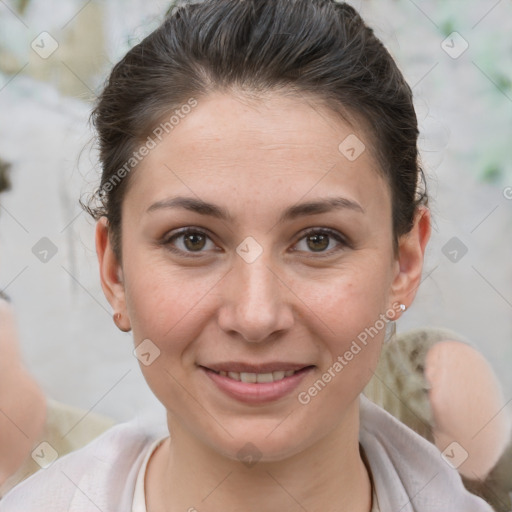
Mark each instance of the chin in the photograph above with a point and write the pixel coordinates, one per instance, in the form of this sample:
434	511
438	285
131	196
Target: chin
267	440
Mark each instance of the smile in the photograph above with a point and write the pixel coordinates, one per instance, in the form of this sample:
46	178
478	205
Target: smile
256	387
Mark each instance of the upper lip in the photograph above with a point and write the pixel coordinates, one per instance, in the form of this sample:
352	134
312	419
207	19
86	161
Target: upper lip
240	367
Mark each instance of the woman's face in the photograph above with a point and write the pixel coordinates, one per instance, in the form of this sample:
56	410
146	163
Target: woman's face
288	266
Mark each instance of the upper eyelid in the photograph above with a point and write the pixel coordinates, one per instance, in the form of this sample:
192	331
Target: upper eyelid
183	231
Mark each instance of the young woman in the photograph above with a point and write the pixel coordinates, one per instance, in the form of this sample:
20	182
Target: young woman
261	215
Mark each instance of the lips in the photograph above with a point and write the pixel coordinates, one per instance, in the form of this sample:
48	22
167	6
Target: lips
251	373
256	383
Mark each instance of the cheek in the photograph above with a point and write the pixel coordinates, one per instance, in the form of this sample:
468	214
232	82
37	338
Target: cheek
348	309
348	313
164	304
348	300
167	308
171	307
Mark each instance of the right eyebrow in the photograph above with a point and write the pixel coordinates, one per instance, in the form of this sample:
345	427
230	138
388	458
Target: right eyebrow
194	205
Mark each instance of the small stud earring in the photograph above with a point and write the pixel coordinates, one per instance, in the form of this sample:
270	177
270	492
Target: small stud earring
401	309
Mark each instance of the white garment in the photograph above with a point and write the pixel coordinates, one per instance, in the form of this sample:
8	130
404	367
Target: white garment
139	495
409	473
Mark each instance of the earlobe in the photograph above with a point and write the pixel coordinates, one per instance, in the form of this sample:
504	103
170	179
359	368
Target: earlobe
111	273
411	256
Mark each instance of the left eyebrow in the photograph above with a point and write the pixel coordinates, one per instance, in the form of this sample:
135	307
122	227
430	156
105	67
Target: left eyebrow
291	213
321	206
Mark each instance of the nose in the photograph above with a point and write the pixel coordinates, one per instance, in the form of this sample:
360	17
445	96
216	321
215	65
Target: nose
255	302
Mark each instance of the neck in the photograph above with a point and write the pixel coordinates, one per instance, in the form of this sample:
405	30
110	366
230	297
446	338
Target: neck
329	475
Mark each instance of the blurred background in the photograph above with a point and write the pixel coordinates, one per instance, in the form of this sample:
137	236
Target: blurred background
54	58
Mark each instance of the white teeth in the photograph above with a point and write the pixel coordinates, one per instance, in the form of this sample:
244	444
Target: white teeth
264	377
258	377
248	377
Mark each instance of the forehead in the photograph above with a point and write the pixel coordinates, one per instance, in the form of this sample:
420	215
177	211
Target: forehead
269	148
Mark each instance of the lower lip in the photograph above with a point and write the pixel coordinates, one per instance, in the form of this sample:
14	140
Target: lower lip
254	393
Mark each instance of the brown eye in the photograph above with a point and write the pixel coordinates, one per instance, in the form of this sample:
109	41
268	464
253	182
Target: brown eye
189	241
194	241
319	240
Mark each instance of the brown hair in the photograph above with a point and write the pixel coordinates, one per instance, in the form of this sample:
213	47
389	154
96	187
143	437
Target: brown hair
321	48
5	184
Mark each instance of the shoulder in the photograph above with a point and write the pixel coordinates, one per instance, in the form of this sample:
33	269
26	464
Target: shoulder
100	475
410	473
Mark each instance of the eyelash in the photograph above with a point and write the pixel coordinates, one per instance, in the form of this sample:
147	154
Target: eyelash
167	241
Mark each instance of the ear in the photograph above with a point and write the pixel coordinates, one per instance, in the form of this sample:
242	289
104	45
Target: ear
111	273
411	252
